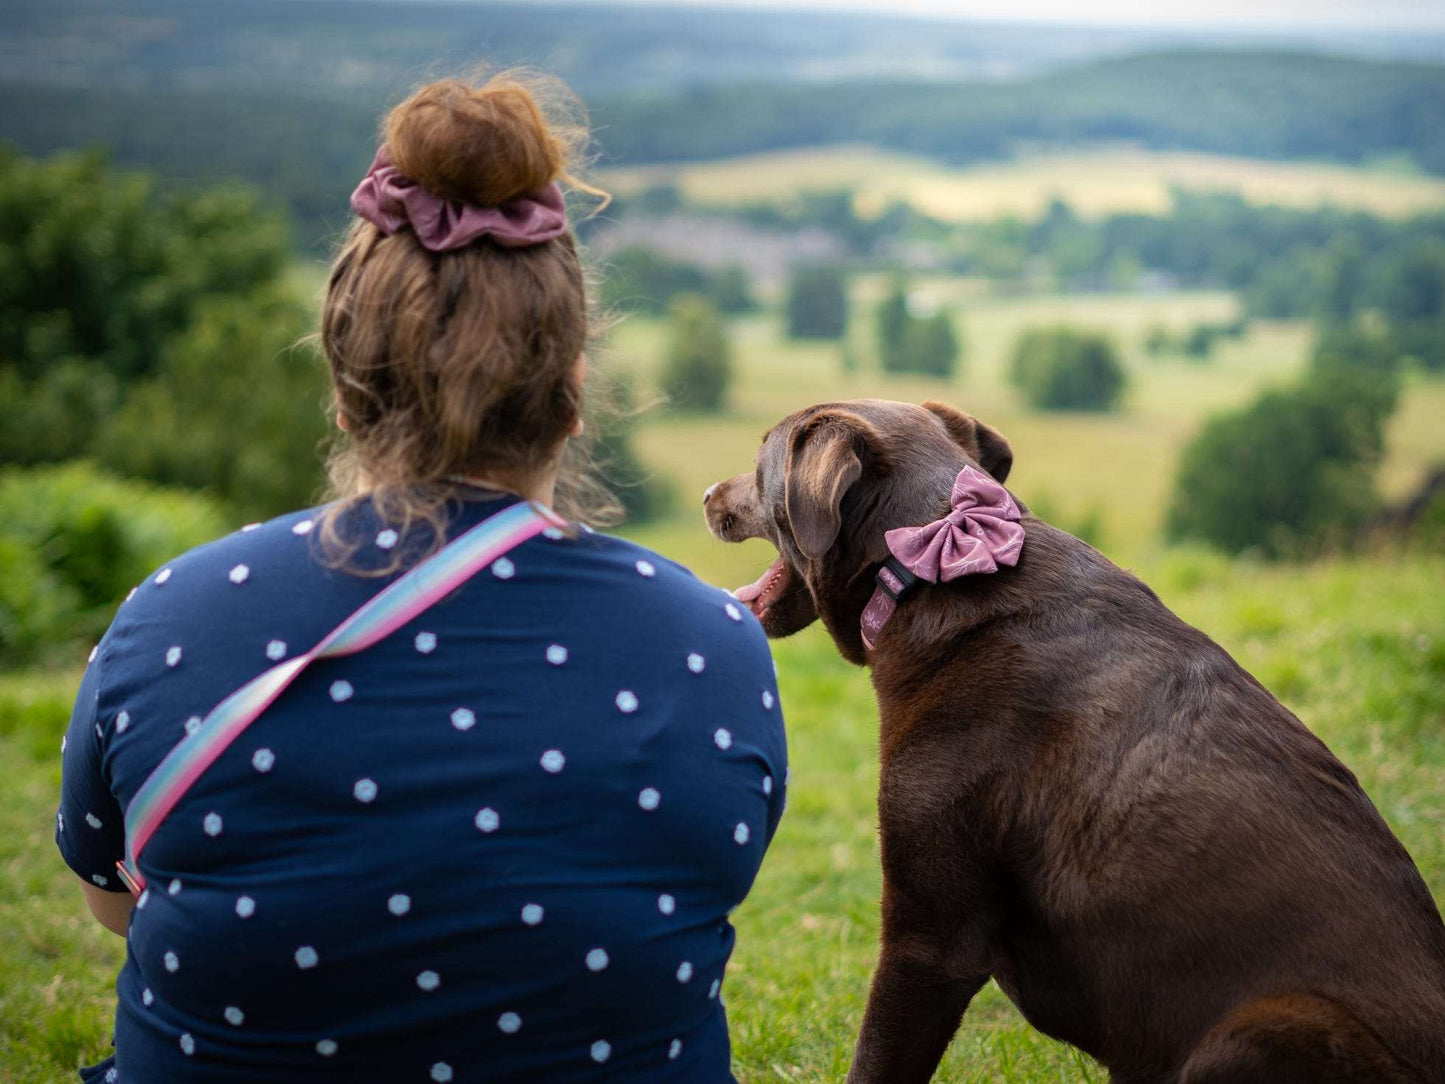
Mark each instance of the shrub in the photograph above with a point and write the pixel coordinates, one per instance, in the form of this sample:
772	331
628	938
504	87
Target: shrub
74	541
1064	368
699	358
908	343
817	304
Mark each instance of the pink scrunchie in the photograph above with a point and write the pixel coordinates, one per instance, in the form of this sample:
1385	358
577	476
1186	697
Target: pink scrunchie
981	533
393	202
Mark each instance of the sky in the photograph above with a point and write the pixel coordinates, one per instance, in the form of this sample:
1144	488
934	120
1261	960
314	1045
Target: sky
1294	15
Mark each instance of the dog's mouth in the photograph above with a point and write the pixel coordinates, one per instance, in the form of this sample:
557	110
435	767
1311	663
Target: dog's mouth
772	585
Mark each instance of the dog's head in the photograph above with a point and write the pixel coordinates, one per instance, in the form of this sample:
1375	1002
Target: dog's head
829	481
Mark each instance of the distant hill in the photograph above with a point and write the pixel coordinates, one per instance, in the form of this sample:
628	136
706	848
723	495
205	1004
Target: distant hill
308	146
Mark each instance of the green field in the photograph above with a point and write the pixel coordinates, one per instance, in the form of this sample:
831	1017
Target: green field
1355	646
1093	182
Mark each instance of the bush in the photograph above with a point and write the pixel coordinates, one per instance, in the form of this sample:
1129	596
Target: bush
642	280
1291	474
643	496
817	305
908	343
74	541
1064	368
699	358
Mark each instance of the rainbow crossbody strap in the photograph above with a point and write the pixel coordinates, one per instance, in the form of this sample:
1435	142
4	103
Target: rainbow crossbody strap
383	614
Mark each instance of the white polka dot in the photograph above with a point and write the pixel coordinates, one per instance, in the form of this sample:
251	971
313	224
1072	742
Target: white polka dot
723	738
428	980
193	724
556	654
173	656
131	593
275	650
532	914
172	961
554	533
144	898
249	527
684	971
674	1050
96	648
147	998
174	888
441	1072
503	569
364	790
100	879
487	820
63	739
646	568
732	611
239	574
586	528
99	733
509	1022
262	760
601	1051
740	834
245	906
714	988
188	1043
426	642
60	820
302	527
666	904
212	824
463	719
696	663
399	904
553	761
306	957
626	702
649	798
162	576
92	820
767	699
111	1075
386	539
767	784
122	720
326	1047
235	1016
341	690
597	959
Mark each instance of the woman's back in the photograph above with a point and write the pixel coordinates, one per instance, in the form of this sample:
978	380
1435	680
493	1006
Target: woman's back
502	843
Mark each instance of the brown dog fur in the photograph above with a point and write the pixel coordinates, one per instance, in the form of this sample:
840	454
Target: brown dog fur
1087	799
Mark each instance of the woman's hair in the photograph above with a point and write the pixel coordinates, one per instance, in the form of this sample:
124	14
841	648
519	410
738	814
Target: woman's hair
461	362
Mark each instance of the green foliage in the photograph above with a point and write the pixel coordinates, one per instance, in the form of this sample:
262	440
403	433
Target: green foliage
1066	368
235	408
817	303
1292	473
699	357
1157	340
642	280
643	496
908	343
1199	342
74	541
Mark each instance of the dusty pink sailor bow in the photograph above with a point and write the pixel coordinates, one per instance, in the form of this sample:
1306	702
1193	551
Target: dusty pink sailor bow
981	533
393	202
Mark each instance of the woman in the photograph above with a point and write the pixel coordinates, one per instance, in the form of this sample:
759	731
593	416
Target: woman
501	843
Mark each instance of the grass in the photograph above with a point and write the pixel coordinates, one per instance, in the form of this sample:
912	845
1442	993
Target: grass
1094	182
1356	648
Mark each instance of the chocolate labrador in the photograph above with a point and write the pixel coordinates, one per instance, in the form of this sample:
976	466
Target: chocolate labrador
1081	796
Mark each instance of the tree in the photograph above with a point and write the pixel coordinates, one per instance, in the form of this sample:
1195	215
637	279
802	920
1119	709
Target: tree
931	345
893	320
817	305
699	357
1064	368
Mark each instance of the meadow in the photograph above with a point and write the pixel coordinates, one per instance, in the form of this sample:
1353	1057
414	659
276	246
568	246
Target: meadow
1355	646
1095	182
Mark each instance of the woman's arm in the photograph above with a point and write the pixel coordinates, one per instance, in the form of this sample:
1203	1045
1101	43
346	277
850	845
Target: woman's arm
111	909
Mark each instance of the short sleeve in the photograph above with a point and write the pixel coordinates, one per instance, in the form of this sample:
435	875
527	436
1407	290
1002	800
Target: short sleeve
89	827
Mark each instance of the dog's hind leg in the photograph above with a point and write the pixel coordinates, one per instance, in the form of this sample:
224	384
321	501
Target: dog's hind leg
1292	1039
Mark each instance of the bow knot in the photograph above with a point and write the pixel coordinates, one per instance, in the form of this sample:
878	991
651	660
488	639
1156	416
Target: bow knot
981	533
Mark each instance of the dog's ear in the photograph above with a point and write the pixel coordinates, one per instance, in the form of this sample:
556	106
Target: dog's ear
983	443
825	458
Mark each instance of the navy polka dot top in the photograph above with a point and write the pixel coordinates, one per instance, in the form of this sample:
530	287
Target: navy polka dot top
501	844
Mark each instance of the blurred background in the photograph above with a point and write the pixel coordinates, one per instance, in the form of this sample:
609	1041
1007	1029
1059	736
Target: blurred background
1190	263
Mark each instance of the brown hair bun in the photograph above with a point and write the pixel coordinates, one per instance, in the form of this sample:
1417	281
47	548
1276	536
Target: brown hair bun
481	144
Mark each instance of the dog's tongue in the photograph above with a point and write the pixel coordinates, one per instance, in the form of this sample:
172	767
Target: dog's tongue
750	593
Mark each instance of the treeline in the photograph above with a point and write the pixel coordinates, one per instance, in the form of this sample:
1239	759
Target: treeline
308	149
